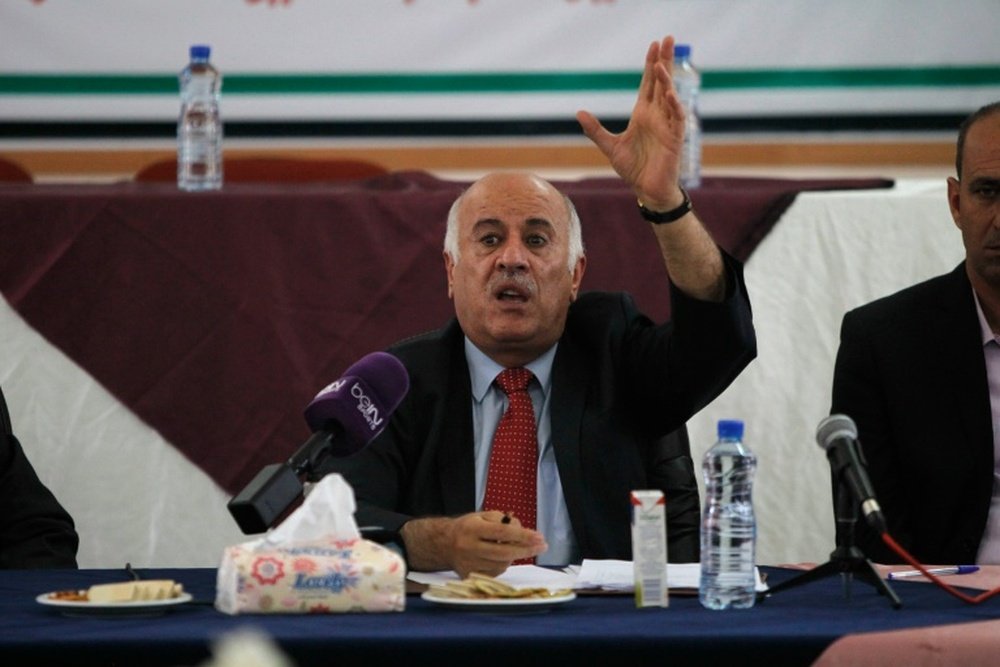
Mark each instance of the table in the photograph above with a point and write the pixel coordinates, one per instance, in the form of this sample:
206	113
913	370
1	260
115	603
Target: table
160	346
792	628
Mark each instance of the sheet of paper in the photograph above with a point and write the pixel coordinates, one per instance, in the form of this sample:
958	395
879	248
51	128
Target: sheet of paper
610	575
617	575
519	576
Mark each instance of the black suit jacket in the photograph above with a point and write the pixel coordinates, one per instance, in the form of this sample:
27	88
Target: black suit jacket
620	383
911	373
35	530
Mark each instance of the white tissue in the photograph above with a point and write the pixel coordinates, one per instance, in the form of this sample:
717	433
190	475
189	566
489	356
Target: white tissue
327	511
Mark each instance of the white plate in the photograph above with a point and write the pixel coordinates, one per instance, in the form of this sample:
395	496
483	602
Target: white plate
140	607
498	604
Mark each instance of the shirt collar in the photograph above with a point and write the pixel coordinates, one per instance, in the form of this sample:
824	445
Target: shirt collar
483	370
984	327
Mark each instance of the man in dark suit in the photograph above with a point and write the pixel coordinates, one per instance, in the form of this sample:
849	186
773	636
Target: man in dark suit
608	383
919	373
35	530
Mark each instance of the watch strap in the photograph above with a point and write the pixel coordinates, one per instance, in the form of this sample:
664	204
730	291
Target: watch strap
665	217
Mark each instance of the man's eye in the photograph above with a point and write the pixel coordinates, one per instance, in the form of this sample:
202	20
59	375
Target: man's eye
536	240
490	240
988	191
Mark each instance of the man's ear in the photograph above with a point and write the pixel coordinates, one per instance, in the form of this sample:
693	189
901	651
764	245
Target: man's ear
449	270
578	270
954	199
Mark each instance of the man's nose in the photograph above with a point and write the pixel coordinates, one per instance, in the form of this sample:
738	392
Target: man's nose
513	255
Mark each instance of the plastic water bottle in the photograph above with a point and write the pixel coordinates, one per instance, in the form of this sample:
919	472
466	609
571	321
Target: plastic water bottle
728	527
199	127
687	83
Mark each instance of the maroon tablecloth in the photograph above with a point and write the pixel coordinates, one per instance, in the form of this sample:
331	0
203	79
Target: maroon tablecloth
216	317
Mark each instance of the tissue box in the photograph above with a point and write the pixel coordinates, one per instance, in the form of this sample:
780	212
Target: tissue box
318	577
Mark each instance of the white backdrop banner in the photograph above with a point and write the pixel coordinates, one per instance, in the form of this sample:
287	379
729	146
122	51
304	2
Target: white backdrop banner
405	60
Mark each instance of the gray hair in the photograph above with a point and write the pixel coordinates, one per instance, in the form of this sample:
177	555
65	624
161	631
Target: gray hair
575	233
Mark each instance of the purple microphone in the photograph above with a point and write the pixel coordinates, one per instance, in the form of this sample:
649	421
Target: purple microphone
345	416
357	406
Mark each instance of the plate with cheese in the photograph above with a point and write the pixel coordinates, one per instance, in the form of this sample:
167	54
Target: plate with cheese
152	596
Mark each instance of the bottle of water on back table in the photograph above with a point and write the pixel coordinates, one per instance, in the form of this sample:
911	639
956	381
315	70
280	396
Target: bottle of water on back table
728	527
199	126
687	83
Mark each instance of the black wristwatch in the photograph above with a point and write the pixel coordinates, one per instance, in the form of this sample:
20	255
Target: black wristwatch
665	217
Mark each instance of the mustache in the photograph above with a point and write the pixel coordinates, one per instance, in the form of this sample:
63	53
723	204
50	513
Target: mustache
518	279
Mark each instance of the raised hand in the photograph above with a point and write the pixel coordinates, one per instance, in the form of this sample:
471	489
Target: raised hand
647	153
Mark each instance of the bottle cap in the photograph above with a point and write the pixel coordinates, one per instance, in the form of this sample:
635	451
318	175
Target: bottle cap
200	51
682	50
731	429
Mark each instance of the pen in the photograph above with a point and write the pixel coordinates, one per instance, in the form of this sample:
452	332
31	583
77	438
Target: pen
955	569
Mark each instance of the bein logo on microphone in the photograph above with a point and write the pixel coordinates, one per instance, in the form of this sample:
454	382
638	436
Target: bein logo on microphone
336	385
366	407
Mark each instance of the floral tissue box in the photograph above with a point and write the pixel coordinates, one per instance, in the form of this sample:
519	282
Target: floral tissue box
319	577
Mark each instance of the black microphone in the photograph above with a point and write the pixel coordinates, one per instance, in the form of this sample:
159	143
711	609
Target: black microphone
345	416
838	435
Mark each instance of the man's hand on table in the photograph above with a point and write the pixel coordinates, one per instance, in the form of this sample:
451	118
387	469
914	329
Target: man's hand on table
477	542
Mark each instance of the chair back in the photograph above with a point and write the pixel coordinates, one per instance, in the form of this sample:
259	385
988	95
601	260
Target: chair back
272	170
12	172
669	467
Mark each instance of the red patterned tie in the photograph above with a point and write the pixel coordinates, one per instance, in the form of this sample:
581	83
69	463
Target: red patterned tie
511	482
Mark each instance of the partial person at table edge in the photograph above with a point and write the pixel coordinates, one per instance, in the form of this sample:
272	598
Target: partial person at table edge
35	530
607	385
919	373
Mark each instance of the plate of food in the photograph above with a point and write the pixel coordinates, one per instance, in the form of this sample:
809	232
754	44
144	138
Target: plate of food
150	597
480	592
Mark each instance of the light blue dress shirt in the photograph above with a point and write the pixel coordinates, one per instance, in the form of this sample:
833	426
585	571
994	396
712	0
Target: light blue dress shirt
488	405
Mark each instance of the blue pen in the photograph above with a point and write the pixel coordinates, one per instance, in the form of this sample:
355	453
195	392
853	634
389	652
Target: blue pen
954	569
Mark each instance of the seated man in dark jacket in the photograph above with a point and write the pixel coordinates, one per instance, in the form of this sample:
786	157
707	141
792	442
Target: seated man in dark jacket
532	415
919	373
35	530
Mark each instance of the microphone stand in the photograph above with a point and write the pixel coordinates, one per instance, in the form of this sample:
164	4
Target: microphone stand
847	559
278	487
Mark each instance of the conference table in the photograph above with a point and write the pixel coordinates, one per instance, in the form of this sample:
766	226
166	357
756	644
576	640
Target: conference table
815	623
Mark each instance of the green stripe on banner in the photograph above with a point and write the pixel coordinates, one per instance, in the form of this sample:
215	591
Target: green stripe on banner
451	84
882	77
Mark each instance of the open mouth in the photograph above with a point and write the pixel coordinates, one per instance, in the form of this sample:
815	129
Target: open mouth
512	294
516	288
512	287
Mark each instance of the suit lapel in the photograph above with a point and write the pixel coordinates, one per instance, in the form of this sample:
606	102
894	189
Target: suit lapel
570	381
958	325
456	453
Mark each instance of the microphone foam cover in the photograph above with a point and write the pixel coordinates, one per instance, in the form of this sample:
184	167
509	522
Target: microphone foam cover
833	427
362	400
